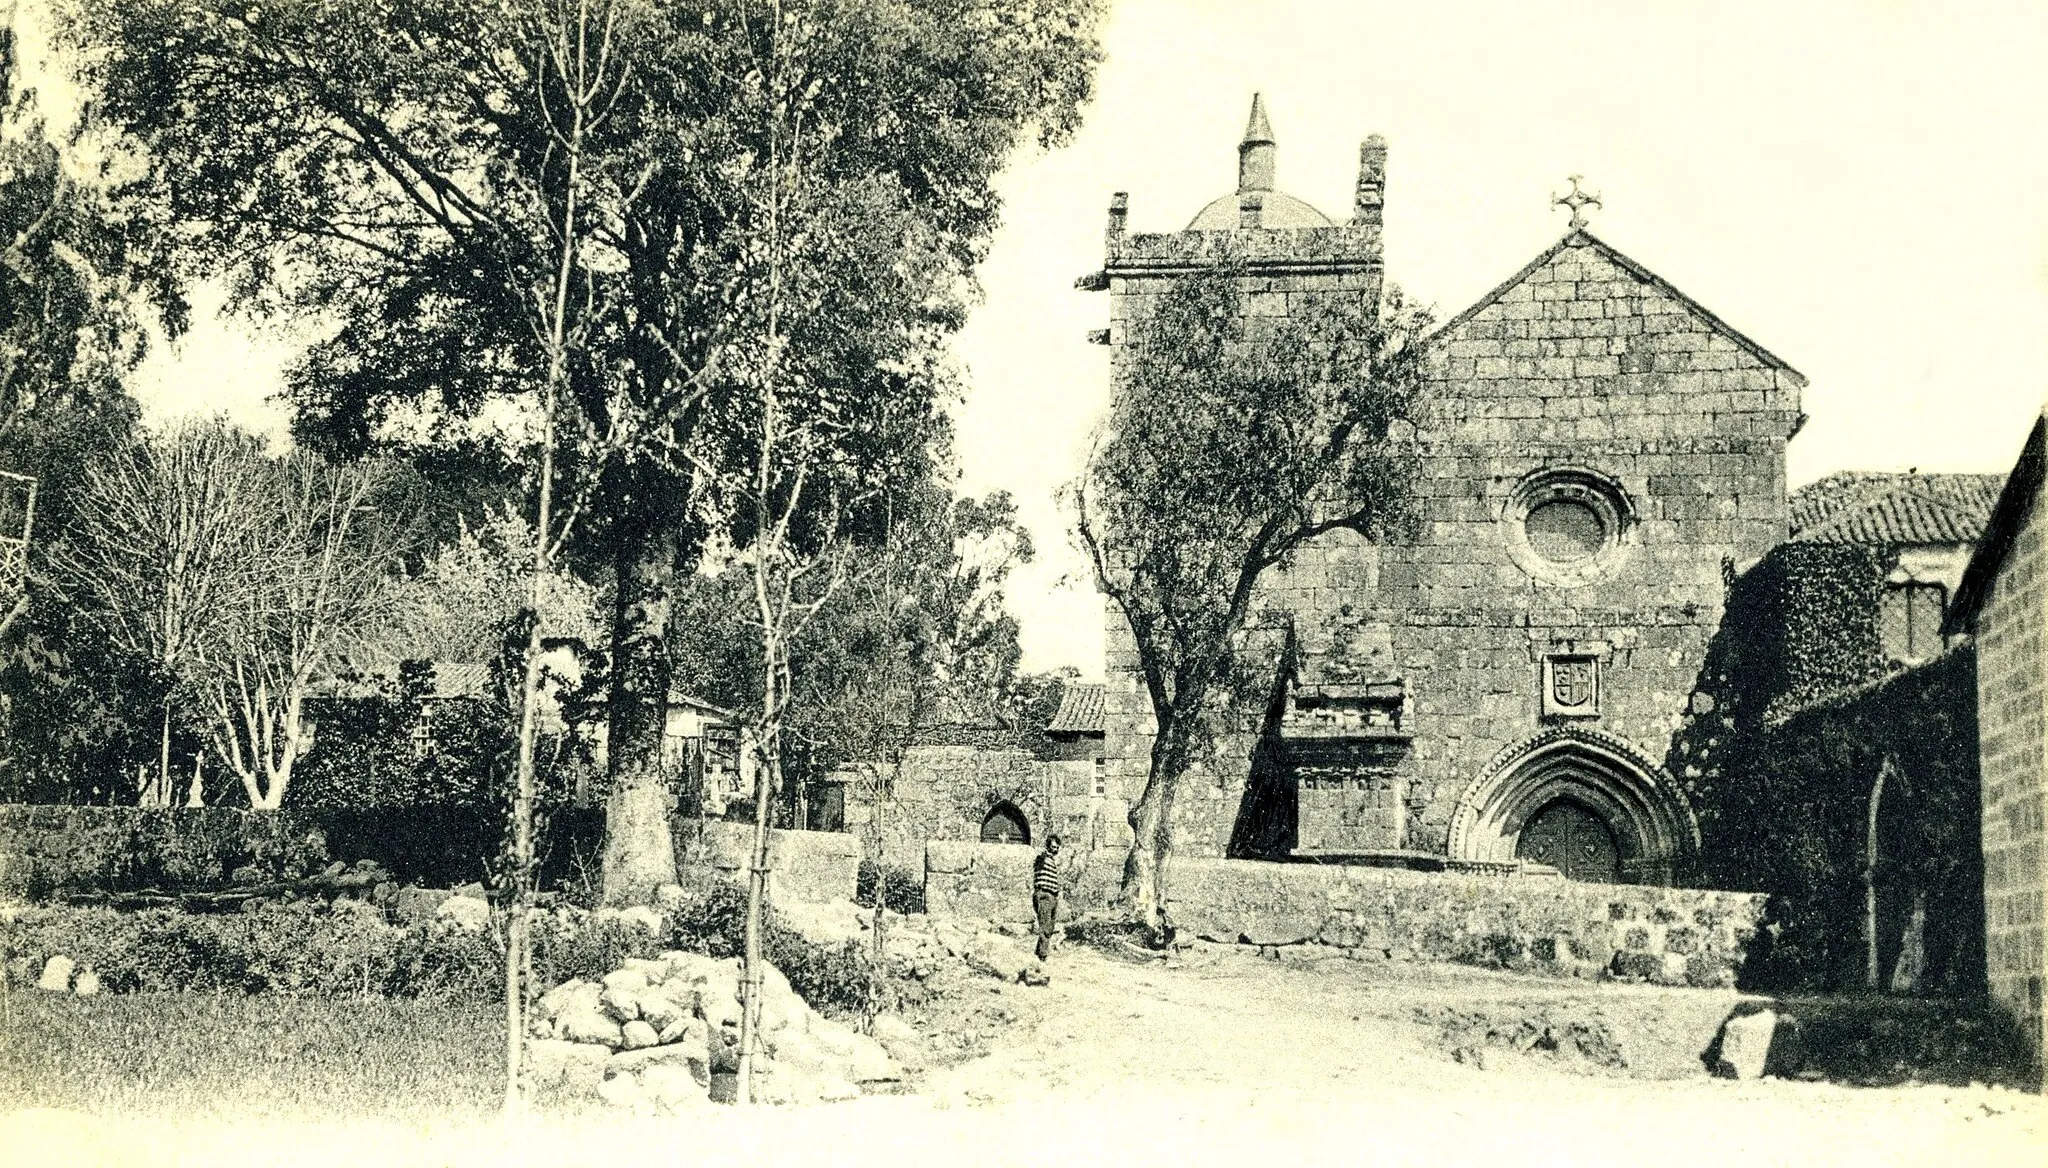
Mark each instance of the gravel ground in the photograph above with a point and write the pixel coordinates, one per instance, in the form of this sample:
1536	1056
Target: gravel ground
1222	1058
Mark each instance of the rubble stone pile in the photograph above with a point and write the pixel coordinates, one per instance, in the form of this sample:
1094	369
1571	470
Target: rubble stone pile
663	1034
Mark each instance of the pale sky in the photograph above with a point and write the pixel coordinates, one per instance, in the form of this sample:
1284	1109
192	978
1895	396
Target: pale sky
1860	187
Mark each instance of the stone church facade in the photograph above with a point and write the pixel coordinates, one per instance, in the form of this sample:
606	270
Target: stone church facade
1601	454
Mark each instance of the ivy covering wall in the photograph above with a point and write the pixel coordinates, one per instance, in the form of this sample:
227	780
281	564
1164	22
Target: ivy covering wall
1795	713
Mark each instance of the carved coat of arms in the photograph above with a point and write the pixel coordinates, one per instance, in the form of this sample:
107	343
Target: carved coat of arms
1571	686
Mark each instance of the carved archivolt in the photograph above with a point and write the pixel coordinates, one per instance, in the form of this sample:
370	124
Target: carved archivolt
1652	823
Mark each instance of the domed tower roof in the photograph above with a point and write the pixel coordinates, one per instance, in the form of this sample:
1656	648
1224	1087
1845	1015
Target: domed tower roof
1265	206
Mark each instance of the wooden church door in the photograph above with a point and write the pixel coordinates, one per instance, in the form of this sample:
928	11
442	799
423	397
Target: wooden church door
1573	840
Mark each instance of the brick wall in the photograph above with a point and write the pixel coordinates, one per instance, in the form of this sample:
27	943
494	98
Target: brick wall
2012	657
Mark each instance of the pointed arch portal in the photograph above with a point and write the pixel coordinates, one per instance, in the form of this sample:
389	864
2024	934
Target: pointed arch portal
1585	802
1004	824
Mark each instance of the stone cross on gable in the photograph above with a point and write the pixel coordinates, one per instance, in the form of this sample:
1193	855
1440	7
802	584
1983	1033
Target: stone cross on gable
1578	201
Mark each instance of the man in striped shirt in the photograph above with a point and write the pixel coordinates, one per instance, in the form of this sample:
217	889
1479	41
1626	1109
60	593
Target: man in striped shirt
1045	893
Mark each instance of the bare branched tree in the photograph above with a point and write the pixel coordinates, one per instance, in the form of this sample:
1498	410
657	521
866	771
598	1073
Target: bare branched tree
160	553
319	572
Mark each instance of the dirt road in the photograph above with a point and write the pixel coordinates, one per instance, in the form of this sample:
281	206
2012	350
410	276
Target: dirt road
1225	1059
1235	1057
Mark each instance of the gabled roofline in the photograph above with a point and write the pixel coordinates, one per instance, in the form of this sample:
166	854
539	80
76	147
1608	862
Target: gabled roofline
677	697
1581	237
2021	488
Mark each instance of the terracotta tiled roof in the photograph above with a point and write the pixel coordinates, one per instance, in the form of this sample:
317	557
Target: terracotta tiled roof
461	679
1865	507
1080	710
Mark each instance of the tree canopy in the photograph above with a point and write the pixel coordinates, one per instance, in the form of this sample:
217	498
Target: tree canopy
915	636
79	278
1227	448
397	174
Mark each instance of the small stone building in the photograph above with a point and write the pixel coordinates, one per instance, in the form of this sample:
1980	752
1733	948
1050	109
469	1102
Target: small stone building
1600	454
965	783
2003	601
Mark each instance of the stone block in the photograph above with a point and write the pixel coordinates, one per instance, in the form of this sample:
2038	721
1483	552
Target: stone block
1745	1046
949	857
418	905
56	975
569	1068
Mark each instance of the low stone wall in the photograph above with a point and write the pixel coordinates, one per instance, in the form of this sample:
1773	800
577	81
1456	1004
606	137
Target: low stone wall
1673	936
993	881
807	866
944	792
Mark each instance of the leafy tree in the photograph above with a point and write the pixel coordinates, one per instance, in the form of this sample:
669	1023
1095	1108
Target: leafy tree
399	170
471	590
1226	449
77	275
915	635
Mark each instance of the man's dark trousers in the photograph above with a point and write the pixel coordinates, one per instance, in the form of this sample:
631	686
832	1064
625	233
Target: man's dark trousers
1048	909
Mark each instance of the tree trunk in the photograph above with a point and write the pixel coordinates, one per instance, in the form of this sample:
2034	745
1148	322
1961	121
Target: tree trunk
1870	961
163	764
1144	885
639	851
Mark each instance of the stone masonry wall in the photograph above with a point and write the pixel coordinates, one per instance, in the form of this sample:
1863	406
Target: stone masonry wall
1285	271
46	847
98	848
944	793
1537	924
2012	657
1584	362
993	881
807	866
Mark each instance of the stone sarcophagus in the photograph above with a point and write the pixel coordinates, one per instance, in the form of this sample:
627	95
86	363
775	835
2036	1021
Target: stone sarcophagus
1345	743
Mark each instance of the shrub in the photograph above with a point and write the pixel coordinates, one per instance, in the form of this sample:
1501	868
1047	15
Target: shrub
296	948
1495	950
350	948
902	890
127	849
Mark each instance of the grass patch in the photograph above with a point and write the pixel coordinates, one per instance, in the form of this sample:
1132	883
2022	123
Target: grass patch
245	1056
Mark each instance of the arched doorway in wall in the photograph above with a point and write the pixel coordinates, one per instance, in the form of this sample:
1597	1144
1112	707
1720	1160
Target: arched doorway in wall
1004	824
1582	801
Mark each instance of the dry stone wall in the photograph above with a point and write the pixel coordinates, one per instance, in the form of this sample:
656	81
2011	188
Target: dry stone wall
47	848
944	793
812	867
1538	924
992	882
63	848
